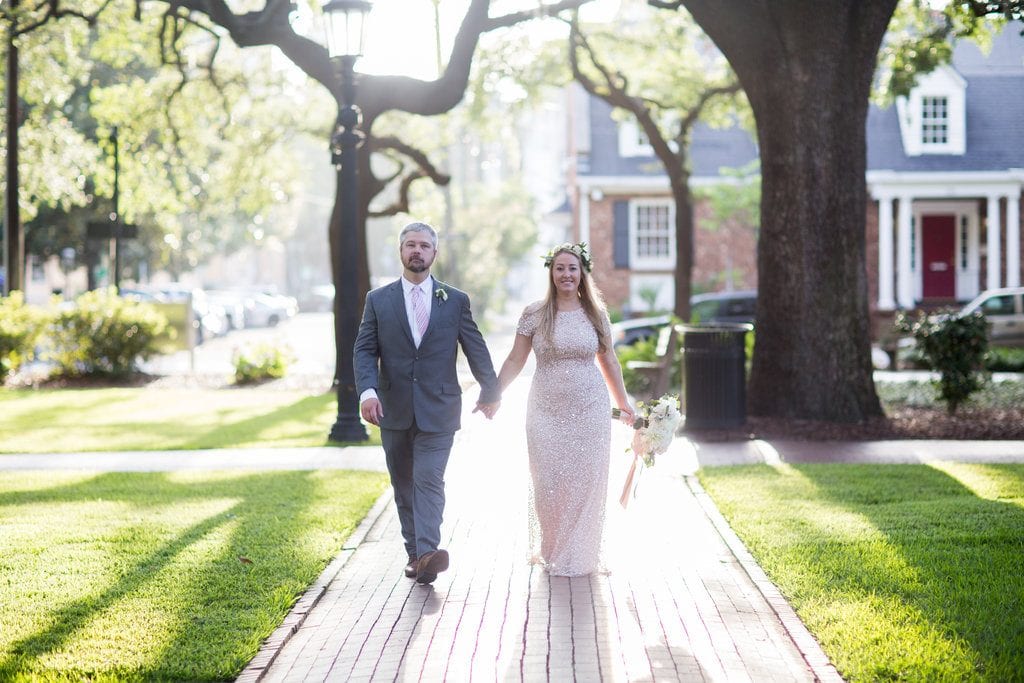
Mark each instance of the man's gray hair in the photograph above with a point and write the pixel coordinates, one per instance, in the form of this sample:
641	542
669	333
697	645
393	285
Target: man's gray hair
417	227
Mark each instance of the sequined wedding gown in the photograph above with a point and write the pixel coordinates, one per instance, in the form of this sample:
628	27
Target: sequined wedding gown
568	431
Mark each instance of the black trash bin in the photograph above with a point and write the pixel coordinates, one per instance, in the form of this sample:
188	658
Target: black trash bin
714	367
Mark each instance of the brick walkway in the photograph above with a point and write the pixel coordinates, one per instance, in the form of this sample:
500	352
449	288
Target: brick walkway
682	599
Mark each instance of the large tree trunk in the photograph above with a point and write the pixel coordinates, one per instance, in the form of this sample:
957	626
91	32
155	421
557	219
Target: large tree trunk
684	242
806	67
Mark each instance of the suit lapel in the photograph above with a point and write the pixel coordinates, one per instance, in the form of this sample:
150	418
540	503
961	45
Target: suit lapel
397	297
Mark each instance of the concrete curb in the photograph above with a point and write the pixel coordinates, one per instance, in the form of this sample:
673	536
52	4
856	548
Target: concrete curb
271	647
809	648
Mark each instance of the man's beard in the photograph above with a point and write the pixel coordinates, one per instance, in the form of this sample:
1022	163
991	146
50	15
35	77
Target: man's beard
417	266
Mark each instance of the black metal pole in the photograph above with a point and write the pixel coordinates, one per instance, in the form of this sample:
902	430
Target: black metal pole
14	243
346	139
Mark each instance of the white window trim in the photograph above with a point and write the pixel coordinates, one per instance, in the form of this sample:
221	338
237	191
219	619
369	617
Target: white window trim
637	262
629	141
943	82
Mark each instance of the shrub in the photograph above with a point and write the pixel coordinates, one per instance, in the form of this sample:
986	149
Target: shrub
954	346
258	362
103	334
19	328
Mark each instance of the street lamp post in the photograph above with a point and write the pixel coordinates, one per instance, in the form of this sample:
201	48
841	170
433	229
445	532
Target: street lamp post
345	20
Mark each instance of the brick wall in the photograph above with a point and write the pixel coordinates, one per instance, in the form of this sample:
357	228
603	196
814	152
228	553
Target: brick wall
732	247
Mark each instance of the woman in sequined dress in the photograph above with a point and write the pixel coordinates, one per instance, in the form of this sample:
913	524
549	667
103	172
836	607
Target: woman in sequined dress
568	425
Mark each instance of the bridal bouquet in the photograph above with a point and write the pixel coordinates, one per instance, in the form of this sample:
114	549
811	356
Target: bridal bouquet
655	426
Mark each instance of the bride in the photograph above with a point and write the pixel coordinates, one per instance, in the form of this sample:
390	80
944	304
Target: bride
568	426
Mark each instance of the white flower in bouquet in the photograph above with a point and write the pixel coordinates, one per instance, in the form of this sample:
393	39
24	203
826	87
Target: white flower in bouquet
654	436
655	426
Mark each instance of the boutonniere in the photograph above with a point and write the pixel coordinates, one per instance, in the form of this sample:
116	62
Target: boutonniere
441	293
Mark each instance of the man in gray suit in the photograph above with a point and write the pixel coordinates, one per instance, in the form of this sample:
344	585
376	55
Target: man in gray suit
405	373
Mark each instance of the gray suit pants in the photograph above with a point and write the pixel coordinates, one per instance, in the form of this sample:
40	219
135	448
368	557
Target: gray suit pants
417	461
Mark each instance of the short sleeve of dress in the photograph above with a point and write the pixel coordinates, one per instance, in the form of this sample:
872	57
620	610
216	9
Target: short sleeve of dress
528	321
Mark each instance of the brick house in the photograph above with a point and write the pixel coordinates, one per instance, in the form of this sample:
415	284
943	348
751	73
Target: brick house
945	177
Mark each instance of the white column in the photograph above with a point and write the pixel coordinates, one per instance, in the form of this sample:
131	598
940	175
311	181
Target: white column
904	275
993	229
885	271
1013	241
584	226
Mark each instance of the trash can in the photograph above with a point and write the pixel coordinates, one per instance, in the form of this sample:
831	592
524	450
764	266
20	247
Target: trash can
714	367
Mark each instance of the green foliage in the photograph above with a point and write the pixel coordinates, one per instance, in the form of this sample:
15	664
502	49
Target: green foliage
920	39
103	334
258	362
203	161
735	201
955	347
20	326
645	350
1005	359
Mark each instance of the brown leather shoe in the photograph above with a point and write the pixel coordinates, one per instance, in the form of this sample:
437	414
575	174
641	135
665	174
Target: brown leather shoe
410	568
430	565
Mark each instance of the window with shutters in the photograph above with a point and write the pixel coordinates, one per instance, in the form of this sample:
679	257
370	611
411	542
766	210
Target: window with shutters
652	243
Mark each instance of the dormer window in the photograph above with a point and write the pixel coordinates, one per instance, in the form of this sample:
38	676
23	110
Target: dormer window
934	120
933	117
633	141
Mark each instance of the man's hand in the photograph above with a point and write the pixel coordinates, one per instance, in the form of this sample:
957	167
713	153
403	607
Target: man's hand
371	411
488	409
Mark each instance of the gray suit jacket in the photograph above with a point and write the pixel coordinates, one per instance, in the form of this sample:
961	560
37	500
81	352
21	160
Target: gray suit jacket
420	382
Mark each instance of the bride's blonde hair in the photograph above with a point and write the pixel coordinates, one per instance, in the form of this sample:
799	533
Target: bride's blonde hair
589	295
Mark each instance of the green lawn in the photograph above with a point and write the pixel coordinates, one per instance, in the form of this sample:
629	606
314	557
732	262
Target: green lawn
77	420
165	576
902	572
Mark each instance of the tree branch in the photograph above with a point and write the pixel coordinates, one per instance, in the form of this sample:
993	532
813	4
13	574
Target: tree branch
414	153
55	11
424	169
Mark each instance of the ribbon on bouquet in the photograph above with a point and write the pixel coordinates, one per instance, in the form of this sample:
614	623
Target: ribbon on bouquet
628	488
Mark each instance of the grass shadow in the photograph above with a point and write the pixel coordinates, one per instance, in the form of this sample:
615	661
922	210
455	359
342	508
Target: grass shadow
948	554
220	611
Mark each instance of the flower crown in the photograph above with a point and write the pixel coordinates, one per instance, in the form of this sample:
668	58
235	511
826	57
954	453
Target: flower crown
579	250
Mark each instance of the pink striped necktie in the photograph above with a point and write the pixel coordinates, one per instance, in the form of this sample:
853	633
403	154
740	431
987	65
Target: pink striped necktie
419	309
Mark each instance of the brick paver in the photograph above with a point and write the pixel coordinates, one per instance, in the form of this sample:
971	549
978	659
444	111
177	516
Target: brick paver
675	604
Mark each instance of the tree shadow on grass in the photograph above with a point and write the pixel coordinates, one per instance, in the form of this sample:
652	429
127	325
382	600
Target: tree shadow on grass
219	627
950	555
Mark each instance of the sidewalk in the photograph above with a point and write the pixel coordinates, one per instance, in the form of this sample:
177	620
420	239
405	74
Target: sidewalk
683	599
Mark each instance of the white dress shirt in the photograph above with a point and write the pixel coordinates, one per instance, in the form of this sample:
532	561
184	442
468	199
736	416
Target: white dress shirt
427	287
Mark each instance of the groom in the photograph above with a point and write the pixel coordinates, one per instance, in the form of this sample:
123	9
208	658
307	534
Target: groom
405	374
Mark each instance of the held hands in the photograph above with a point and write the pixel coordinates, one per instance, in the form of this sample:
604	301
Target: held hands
371	411
488	409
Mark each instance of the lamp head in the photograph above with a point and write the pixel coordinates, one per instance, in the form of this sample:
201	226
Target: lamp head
344	23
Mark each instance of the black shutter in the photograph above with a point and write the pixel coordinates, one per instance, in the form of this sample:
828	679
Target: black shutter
621	234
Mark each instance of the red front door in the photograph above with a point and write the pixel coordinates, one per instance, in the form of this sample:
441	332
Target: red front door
938	254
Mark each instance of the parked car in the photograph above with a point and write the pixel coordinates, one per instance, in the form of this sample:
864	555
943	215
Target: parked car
267	310
209	319
719	307
724	307
233	304
1004	311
